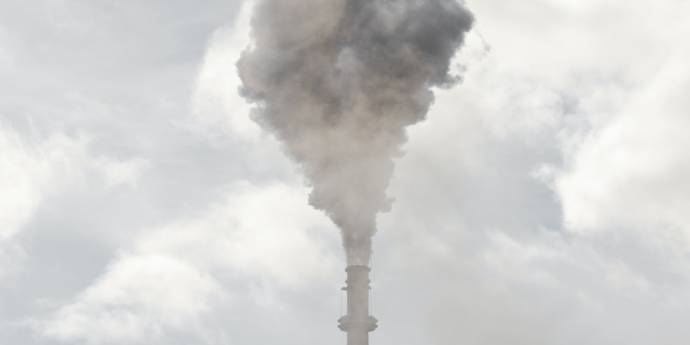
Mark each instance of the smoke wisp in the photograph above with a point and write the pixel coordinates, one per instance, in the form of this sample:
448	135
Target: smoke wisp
337	81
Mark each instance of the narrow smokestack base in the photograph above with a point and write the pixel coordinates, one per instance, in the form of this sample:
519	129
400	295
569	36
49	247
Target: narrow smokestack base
357	323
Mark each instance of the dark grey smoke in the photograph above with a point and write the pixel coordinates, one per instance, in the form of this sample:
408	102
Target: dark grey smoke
337	81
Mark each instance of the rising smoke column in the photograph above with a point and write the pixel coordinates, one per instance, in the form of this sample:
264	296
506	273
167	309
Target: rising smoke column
337	81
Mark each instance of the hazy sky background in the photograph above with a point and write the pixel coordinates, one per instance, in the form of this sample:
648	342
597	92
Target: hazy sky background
546	201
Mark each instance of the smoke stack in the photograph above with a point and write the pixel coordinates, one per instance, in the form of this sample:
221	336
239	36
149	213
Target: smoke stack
338	82
357	323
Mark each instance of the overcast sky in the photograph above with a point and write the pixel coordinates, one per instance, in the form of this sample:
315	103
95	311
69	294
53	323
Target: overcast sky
545	201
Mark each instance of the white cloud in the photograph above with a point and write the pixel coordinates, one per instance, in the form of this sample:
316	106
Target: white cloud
247	250
267	232
20	193
26	172
216	100
120	172
139	300
634	172
33	167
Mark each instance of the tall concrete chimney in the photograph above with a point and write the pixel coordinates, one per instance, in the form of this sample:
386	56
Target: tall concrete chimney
357	323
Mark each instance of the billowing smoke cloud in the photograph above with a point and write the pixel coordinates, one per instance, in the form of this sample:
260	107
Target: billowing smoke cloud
337	81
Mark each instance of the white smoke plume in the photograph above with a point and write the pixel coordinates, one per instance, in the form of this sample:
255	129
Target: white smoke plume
337	81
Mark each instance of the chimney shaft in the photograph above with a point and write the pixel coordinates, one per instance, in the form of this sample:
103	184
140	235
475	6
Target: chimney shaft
357	323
